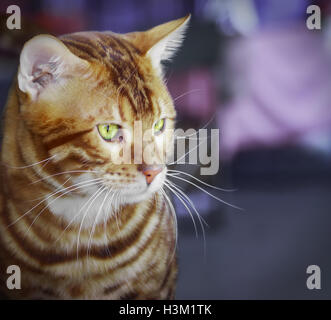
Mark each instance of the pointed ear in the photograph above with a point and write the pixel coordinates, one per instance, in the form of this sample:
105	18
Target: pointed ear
46	60
161	42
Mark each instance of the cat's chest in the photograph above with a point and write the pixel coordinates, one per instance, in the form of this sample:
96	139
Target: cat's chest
86	210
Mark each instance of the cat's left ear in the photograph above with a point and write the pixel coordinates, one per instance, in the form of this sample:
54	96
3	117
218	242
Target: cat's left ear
46	61
161	42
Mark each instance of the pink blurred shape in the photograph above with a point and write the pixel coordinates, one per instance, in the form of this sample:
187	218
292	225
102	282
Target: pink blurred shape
282	90
194	93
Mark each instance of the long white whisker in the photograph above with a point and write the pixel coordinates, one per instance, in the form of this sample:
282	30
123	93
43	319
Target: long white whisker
30	165
216	198
189	201
186	93
64	172
57	189
95	221
185	205
60	196
117	211
205	183
186	154
77	214
101	189
107	214
195	134
201	220
49	196
186	137
173	213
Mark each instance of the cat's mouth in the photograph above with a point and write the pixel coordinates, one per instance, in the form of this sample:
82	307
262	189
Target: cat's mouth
119	192
144	189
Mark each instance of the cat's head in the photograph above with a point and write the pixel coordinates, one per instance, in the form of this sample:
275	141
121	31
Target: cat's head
87	96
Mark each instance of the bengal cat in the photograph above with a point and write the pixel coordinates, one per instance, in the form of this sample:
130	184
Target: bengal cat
79	224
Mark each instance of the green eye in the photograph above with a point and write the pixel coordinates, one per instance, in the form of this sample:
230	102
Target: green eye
108	131
159	126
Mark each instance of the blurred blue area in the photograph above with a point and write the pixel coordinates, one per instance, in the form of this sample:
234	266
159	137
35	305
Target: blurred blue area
273	12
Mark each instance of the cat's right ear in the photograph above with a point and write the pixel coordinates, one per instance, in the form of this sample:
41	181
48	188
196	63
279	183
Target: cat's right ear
45	60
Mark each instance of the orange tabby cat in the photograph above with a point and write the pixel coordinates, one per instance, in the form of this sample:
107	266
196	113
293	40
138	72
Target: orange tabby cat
76	223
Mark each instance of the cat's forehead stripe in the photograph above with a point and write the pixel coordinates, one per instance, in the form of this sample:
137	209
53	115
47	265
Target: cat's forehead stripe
120	59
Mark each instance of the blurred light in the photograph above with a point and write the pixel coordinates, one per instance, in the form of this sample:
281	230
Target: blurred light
243	16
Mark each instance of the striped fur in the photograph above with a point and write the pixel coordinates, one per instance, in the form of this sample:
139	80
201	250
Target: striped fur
50	142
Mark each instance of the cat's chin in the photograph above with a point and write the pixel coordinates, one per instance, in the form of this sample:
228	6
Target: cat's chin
136	198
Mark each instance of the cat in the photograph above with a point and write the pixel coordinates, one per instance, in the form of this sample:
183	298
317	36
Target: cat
78	225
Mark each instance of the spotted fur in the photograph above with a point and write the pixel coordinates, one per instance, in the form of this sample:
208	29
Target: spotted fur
50	142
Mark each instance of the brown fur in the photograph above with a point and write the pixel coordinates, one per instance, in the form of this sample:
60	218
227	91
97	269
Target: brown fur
132	255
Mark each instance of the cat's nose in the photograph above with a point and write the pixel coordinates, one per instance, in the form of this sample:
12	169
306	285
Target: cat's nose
151	172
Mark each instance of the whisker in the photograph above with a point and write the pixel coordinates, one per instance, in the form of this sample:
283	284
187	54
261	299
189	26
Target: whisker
105	218
185	205
195	134
184	163
77	214
30	165
189	201
101	190
60	196
57	189
204	183
49	196
200	218
117	205
186	154
95	221
116	213
64	172
173	213
210	194
186	93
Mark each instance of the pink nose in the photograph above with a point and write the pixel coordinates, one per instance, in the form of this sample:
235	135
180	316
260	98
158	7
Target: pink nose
151	172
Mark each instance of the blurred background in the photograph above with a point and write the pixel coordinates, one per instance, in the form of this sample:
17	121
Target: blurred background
252	69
